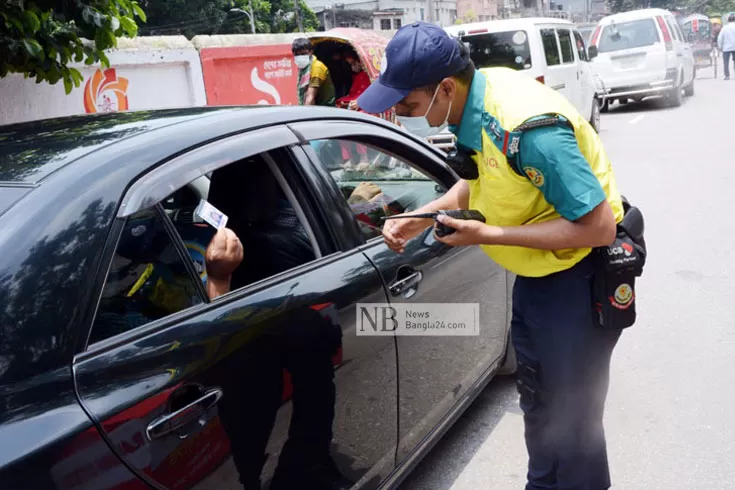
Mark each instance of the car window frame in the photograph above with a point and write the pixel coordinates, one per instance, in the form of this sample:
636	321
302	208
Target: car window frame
561	50
541	30
389	142
225	151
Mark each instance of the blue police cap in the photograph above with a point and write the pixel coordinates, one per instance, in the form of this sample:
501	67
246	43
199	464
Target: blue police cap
419	54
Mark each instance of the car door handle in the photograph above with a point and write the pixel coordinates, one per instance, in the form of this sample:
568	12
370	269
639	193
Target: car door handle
407	285
171	422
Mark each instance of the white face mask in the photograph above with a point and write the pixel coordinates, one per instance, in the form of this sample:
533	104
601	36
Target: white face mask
302	60
420	126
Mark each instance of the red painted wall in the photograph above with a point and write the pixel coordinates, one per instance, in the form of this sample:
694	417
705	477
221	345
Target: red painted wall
240	75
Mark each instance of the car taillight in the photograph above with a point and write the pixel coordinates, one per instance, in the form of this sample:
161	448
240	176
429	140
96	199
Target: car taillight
541	79
595	36
666	33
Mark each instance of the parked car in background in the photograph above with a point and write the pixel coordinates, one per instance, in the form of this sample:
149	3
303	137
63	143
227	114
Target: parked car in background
642	53
117	369
551	51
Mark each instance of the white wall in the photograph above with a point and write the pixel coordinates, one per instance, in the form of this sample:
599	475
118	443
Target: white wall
149	73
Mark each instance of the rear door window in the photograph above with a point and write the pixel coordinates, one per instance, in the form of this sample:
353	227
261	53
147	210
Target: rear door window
565	42
628	35
551	48
509	49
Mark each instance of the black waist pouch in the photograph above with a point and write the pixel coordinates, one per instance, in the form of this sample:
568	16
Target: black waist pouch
616	268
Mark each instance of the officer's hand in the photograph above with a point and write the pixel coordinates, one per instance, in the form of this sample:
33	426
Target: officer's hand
397	232
223	255
469	232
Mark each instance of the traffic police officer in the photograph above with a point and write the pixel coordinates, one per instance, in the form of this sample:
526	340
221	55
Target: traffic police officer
549	197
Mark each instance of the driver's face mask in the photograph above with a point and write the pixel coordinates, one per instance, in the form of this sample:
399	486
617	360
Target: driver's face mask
460	160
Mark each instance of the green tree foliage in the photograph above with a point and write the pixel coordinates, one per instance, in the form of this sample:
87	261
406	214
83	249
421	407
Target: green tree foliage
41	39
192	17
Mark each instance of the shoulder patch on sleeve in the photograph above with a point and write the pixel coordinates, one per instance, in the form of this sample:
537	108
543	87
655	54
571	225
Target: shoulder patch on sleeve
535	176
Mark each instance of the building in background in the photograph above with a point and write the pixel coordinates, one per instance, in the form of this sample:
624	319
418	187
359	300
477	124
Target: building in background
478	10
384	15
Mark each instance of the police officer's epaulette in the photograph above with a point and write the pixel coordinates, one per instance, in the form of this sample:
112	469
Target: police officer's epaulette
541	121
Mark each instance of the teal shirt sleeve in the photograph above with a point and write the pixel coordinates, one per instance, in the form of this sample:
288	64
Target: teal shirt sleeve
563	175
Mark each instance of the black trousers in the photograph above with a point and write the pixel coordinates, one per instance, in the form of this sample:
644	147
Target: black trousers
564	368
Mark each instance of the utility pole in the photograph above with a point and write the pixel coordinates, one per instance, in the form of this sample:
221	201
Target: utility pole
252	16
297	10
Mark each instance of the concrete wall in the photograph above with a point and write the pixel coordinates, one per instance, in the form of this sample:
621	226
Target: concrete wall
144	73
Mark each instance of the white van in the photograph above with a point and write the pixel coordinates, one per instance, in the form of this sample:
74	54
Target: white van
550	50
642	53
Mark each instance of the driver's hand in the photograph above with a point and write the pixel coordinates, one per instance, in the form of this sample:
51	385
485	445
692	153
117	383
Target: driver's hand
353	105
224	254
397	232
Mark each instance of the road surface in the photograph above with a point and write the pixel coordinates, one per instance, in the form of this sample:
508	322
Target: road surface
671	409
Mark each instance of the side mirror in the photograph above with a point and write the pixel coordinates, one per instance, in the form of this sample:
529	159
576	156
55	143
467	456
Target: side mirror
592	52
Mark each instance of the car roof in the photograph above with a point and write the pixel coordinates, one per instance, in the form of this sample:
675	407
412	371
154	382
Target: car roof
507	24
34	151
634	15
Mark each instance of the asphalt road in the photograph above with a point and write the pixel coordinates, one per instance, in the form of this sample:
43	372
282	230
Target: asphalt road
670	416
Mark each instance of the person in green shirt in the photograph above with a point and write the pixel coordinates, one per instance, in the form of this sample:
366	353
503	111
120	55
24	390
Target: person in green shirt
315	86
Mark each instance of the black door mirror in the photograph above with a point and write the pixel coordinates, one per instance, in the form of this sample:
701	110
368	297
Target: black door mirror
592	52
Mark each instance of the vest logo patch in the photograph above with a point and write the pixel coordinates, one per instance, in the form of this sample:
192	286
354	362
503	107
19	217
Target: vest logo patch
492	163
534	175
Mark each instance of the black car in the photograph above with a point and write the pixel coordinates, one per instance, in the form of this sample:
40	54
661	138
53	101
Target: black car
118	372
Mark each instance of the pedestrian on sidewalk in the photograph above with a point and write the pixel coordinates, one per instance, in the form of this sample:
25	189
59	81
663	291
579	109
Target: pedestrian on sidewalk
542	221
726	43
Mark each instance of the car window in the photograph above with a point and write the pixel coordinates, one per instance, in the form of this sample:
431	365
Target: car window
628	35
581	47
510	49
374	183
674	32
565	42
551	49
148	278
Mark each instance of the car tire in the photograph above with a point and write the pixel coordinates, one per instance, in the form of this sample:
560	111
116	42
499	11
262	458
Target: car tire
510	363
595	116
689	90
673	98
605	106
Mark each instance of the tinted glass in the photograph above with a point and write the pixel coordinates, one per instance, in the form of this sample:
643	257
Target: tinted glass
551	50
374	184
31	151
628	35
565	41
509	49
148	279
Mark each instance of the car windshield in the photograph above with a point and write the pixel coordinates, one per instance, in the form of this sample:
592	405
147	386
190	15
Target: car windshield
628	35
509	49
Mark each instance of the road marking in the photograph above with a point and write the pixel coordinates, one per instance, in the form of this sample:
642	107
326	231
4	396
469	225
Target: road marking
637	119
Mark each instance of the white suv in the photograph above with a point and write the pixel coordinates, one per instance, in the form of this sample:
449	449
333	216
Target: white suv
640	54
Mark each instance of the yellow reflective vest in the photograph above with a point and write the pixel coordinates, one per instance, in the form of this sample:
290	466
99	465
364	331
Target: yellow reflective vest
508	199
